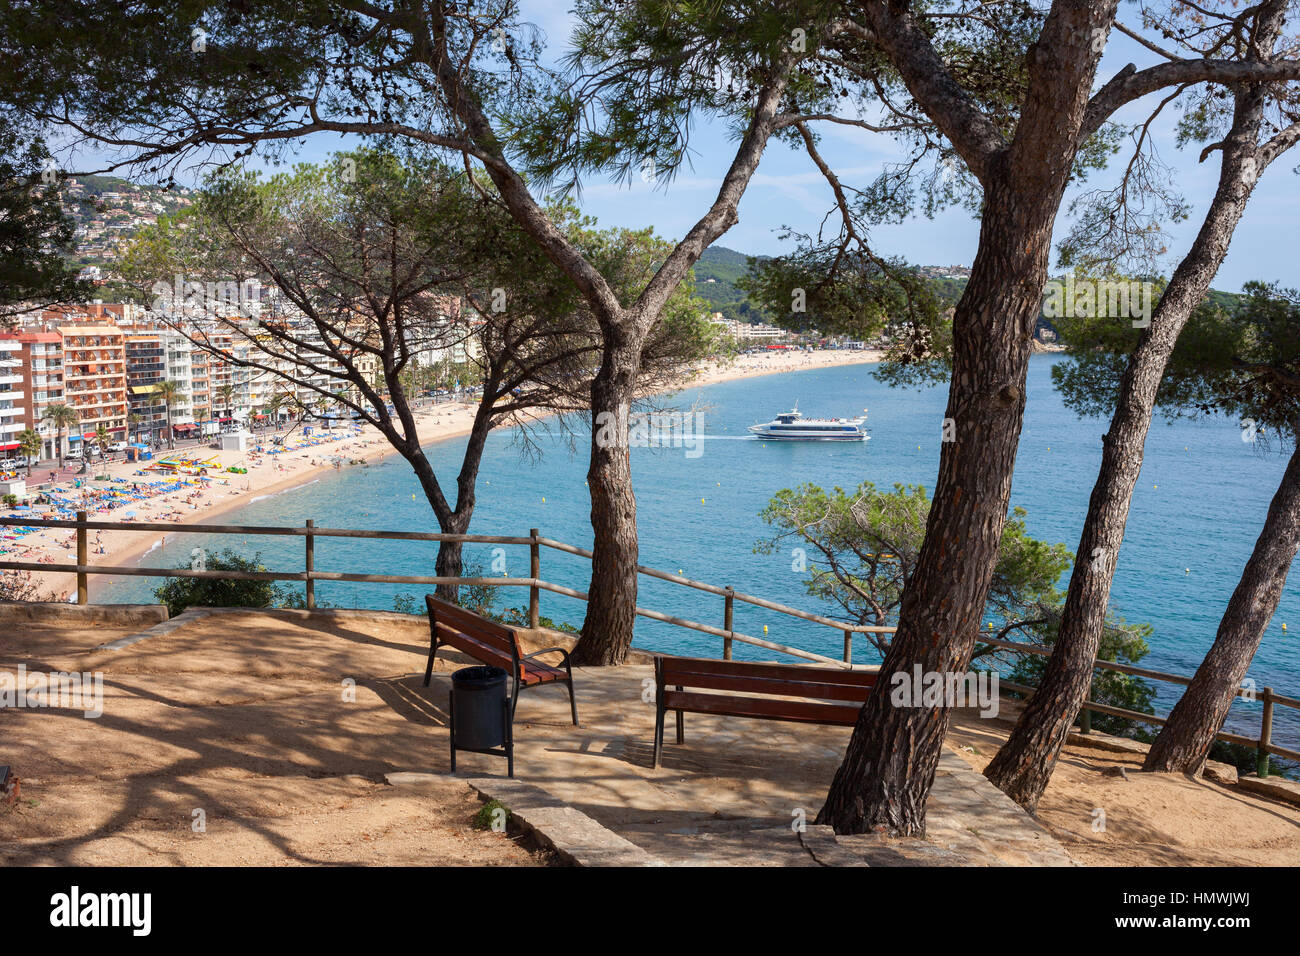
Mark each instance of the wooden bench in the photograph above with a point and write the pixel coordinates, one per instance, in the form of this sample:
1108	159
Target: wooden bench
494	644
758	690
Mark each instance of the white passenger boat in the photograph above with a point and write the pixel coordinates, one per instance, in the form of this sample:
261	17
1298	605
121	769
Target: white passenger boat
792	426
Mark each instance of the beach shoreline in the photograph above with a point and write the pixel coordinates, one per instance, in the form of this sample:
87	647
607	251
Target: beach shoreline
270	475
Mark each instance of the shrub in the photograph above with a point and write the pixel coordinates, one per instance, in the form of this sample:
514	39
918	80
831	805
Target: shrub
492	812
181	593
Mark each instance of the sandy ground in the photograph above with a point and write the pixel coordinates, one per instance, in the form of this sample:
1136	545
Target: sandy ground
212	752
247	716
1149	819
268	474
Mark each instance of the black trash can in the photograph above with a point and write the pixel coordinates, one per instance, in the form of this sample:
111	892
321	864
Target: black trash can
480	714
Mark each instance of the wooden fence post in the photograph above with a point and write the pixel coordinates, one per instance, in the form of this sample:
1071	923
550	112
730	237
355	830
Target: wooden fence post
311	564
1265	733
1085	716
727	618
83	558
534	572
848	647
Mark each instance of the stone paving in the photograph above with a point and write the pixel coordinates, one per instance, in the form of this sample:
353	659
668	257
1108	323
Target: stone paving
732	794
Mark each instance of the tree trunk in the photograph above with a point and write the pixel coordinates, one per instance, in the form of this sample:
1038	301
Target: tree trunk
1184	742
611	596
892	757
448	563
1023	766
451	520
891	760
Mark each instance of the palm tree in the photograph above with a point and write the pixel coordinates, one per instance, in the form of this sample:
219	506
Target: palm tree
133	425
227	393
101	438
29	443
273	408
167	392
61	417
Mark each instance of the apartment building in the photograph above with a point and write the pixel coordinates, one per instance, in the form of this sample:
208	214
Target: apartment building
39	358
146	367
94	378
13	418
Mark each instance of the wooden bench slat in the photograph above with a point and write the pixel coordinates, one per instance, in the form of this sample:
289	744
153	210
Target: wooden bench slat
807	712
681	669
454	631
813	687
474	647
531	673
454	612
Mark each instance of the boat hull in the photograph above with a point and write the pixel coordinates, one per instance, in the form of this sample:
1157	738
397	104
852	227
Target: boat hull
795	436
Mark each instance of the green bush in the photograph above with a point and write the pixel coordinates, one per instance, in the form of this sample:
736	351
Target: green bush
181	593
1246	759
491	812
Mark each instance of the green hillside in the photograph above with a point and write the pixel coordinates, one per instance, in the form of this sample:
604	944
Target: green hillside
720	268
716	275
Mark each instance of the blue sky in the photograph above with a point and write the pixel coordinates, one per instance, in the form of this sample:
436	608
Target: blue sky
788	190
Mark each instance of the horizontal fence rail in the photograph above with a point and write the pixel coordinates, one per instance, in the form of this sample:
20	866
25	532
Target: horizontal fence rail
83	568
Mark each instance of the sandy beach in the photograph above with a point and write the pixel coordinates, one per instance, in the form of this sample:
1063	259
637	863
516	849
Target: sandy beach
267	474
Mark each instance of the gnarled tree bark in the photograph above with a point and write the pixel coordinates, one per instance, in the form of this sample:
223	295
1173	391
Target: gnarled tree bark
611	595
892	757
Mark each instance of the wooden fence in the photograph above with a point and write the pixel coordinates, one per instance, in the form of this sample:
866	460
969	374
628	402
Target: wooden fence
309	532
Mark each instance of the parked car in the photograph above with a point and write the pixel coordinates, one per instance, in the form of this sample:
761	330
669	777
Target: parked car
117	447
74	454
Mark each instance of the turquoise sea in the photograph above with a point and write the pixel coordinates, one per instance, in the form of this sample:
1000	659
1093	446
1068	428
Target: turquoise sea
1196	514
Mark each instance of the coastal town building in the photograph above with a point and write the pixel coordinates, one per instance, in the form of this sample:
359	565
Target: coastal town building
146	366
94	379
12	417
109	362
747	331
39	358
